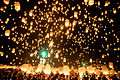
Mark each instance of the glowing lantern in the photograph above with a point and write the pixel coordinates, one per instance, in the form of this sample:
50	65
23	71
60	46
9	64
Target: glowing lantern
24	67
54	70
6	1
60	70
56	55
17	6
67	22
40	67
103	56
81	71
107	3
29	69
75	14
7	33
24	20
13	50
64	60
35	52
111	65
1	53
87	29
31	13
74	23
51	44
47	69
48	54
85	1
90	69
66	70
114	11
91	60
105	70
91	2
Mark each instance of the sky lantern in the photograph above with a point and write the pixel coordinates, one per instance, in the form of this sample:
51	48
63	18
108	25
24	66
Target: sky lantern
60	70
6	1
75	14
67	22
48	54
39	68
47	69
31	13
111	65
85	1
64	60
24	20
51	43
54	70
114	11
91	60
105	70
56	55
107	3
66	70
17	6
7	33
91	2
103	56
29	68
13	50
90	69
1	53
81	70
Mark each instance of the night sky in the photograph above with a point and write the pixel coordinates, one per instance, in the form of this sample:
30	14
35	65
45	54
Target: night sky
92	33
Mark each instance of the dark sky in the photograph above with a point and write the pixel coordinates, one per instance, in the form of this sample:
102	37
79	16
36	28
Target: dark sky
81	46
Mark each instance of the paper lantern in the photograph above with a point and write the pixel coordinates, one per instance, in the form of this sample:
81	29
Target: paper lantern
40	67
17	6
91	2
54	70
90	69
51	43
91	60
7	33
114	11
6	1
13	50
81	71
105	70
103	56
1	53
48	54
29	69
56	55
47	69
75	14
31	13
24	20
60	70
85	1
25	67
107	3
66	70
67	22
111	65
98	72
74	23
112	72
64	60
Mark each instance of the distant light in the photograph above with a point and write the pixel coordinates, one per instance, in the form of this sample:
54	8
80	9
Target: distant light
43	53
83	64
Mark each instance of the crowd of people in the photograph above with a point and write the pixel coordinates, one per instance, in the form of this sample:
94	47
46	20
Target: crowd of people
17	74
